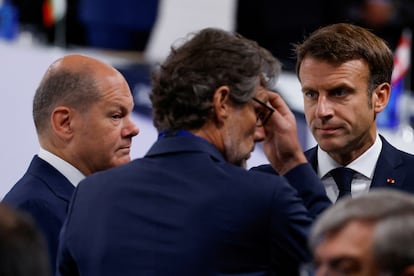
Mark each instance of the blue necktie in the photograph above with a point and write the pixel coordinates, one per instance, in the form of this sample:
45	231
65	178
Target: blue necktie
343	178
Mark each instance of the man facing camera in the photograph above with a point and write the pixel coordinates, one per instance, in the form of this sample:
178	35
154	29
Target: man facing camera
345	74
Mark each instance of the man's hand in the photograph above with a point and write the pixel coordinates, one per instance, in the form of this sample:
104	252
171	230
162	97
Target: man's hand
281	145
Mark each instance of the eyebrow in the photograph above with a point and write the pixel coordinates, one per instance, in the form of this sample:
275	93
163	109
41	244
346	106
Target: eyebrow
336	261
332	88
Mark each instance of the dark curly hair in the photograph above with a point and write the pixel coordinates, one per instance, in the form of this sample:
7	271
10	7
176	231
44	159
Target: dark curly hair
184	85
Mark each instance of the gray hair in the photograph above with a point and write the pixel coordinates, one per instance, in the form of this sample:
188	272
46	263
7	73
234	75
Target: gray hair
392	212
63	87
183	86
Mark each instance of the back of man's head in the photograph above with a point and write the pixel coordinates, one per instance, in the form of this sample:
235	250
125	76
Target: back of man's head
64	84
22	248
185	83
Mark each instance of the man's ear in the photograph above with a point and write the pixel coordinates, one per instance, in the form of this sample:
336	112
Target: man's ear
381	95
61	120
221	102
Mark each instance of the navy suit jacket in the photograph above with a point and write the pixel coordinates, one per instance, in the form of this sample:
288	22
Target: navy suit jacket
44	193
183	210
394	169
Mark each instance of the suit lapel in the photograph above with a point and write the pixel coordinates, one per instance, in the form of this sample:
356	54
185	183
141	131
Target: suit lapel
311	155
387	173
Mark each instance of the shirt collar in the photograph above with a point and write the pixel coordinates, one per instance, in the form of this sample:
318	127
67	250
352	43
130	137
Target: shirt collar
365	164
65	168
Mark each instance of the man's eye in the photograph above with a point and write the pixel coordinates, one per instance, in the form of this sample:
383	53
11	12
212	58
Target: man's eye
260	114
346	266
310	94
338	92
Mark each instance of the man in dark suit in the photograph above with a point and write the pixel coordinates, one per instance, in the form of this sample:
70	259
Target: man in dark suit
81	111
189	207
394	168
345	73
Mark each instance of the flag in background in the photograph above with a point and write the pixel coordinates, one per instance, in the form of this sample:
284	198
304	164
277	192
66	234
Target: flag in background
53	11
389	117
9	20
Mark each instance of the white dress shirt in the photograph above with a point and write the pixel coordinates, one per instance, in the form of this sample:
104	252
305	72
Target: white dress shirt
363	166
70	172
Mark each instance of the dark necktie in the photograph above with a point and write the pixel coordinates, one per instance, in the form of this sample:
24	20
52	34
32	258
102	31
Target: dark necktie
343	178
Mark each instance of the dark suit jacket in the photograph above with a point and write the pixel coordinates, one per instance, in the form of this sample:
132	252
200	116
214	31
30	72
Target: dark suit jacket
183	210
44	193
394	169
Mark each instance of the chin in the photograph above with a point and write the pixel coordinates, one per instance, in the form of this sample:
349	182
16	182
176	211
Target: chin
241	163
331	147
123	160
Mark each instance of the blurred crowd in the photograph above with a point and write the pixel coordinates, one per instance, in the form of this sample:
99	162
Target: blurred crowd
276	25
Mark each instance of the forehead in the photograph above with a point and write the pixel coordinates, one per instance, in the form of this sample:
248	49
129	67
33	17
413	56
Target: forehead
115	92
353	240
261	93
113	84
314	72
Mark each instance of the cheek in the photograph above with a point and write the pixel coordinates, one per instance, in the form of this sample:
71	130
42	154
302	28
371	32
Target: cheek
248	119
102	139
309	115
109	138
359	115
249	127
308	109
104	129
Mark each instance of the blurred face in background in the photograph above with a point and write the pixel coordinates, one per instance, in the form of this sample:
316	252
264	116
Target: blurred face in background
347	252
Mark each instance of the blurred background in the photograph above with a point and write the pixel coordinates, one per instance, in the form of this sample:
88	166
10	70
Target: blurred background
134	35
